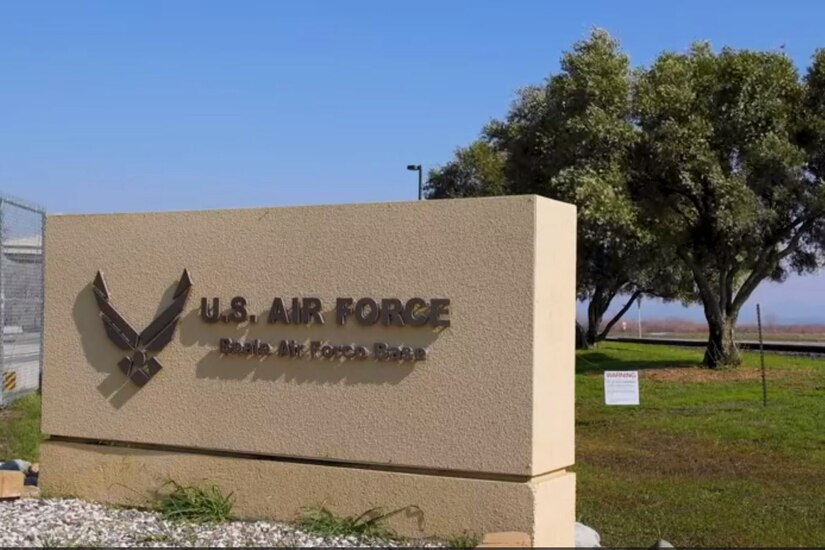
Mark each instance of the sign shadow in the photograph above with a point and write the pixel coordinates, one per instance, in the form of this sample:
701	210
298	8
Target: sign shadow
98	350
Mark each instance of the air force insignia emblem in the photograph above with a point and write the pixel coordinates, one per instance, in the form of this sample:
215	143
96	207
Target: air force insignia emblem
140	367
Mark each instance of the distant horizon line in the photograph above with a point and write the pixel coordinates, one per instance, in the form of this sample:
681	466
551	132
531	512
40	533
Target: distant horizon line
698	321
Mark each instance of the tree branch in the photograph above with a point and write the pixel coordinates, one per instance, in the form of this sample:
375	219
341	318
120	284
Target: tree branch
765	265
678	209
723	282
697	204
705	289
794	242
618	316
728	278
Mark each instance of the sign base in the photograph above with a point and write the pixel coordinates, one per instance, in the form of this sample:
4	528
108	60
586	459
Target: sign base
436	505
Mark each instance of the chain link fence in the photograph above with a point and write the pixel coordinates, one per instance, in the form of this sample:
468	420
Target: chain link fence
21	298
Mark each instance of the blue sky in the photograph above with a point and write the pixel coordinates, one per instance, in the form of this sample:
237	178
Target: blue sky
135	106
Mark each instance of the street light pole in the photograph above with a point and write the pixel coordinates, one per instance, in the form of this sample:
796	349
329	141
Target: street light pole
417	167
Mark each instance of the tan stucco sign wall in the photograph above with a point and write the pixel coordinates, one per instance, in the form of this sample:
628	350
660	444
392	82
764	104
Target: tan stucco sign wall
483	389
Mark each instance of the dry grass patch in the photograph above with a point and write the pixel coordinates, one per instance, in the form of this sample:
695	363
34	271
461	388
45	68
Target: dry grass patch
701	375
656	453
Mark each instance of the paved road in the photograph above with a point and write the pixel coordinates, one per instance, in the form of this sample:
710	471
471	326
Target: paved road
21	349
21	354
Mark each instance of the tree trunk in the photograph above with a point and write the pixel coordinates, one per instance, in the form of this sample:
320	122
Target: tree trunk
595	313
722	350
599	303
619	315
592	335
581	337
721	308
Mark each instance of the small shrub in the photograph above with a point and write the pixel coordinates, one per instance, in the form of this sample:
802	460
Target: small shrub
49	541
371	524
194	503
154	538
464	540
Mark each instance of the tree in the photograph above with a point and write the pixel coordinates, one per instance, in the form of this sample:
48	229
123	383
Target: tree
573	140
476	171
728	171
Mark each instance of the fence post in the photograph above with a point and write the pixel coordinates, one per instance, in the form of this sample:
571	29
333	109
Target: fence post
2	302
762	357
42	298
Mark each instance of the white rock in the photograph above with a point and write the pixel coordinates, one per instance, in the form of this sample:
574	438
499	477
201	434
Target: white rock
71	522
587	537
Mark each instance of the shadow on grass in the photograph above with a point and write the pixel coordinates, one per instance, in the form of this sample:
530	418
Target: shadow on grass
597	363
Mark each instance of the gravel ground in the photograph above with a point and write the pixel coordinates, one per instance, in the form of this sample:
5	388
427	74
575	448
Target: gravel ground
71	522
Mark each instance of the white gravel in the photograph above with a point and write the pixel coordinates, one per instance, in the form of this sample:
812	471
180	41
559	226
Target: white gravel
71	522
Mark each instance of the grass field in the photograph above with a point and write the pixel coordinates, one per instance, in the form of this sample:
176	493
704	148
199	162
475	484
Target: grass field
701	462
20	429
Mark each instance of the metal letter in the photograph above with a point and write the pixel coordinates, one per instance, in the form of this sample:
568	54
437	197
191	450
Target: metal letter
277	313
411	312
283	349
392	312
439	307
312	311
342	310
373	315
210	315
239	313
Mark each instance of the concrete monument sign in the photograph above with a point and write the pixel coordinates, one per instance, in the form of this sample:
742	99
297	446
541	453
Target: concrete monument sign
403	355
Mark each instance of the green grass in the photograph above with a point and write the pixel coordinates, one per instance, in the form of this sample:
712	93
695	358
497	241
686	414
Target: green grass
372	524
464	540
196	503
701	462
20	429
